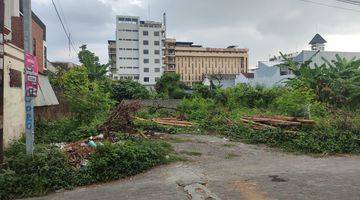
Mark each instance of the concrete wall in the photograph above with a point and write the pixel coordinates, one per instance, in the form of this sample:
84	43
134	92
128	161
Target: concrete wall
14	98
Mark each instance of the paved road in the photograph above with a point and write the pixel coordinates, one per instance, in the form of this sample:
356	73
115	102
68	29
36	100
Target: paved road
218	169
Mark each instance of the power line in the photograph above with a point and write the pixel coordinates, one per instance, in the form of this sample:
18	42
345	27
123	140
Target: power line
331	6
68	34
352	2
61	11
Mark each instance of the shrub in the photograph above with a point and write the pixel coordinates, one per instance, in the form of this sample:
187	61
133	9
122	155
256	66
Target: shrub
86	99
128	89
197	108
170	85
203	91
114	161
294	102
244	95
48	170
66	130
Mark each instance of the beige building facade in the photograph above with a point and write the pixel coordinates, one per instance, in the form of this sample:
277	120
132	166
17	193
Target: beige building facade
194	62
13	113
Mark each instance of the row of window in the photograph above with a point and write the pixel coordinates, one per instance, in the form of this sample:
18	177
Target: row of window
146	33
156	52
151	26
129	67
128	49
147	79
146	42
147	70
128	58
121	39
127	78
156	61
128	30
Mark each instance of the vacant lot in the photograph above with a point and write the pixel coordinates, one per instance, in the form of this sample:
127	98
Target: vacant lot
227	170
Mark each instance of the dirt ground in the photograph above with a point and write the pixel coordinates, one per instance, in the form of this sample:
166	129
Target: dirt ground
219	169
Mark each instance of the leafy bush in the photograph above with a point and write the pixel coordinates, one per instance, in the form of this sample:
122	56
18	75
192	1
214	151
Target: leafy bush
294	102
86	99
197	108
66	130
244	95
336	83
170	85
114	161
48	170
203	91
128	89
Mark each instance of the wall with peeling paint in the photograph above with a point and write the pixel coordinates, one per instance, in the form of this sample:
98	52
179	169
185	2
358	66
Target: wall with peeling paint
14	97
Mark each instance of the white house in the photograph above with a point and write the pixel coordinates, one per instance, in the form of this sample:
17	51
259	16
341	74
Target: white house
227	81
270	74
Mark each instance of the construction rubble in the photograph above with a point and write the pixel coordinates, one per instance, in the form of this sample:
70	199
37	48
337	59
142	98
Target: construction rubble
79	152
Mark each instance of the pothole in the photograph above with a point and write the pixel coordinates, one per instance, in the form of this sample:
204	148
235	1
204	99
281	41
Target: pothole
199	191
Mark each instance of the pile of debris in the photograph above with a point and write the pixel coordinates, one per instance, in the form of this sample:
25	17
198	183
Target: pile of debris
121	118
267	122
79	152
168	121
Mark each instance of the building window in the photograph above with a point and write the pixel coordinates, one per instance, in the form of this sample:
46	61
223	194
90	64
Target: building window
157	70
146	79
146	70
157	79
156	33
146	42
146	60
157	43
157	61
157	52
146	51
145	33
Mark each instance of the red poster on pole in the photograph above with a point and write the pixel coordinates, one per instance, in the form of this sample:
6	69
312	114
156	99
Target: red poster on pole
31	75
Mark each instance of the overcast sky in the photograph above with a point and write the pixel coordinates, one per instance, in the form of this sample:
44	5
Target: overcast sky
264	26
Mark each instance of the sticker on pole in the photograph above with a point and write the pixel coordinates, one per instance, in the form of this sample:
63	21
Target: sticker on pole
31	75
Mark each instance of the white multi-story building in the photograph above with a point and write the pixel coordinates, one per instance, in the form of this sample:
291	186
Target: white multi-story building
138	50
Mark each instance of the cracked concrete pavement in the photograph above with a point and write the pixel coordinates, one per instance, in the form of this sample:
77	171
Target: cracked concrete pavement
220	169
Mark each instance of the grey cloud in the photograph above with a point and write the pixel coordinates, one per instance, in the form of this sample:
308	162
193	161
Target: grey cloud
264	26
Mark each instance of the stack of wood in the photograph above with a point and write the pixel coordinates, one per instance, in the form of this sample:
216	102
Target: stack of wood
168	121
267	122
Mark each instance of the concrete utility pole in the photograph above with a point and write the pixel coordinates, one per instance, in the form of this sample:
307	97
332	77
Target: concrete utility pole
2	22
29	101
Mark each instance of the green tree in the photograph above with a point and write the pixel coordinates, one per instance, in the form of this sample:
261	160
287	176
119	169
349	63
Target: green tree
89	60
336	83
170	85
86	98
128	89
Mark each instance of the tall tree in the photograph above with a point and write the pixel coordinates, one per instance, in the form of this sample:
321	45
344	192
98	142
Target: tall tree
89	60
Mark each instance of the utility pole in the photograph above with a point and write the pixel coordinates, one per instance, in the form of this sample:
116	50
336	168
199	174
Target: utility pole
29	100
2	23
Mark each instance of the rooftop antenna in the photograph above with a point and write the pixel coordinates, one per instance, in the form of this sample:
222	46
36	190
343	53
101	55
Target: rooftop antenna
164	21
149	10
